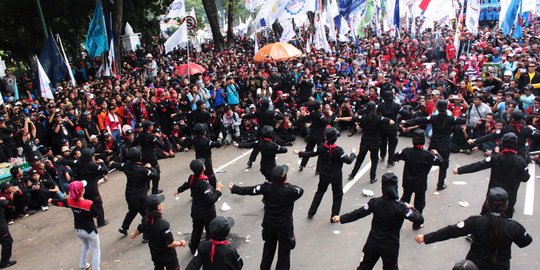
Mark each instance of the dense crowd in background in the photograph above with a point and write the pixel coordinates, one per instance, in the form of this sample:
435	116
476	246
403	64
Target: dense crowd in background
484	80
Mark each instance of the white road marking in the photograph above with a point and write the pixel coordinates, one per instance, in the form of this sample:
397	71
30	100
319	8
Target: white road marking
529	193
233	161
357	177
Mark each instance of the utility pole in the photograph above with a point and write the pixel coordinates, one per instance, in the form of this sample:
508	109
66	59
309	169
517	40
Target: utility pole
42	20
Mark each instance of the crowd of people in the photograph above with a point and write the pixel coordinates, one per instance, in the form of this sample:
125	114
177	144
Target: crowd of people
465	98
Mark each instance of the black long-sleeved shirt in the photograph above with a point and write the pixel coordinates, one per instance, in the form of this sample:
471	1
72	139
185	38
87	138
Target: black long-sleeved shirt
331	159
84	213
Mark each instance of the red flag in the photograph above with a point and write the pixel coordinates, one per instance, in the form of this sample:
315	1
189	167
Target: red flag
424	4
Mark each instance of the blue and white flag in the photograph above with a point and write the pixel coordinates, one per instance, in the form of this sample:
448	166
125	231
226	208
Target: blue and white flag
96	42
510	17
348	6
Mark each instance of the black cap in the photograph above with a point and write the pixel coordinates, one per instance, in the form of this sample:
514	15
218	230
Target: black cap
129	132
371	106
497	195
86	154
199	103
138	125
389	178
516	115
5	185
34	159
196	166
509	140
220	226
133	154
419	137
147	124
33	171
152	201
279	173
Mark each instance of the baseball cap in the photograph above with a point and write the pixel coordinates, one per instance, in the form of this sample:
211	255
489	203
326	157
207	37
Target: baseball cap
65	149
154	200
508	73
129	132
220	226
435	92
93	137
33	171
279	172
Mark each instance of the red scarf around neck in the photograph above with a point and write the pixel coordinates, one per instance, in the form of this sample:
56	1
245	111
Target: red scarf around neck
508	151
330	147
419	146
200	177
214	244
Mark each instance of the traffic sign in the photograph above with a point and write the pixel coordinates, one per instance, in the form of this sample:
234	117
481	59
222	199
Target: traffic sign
191	22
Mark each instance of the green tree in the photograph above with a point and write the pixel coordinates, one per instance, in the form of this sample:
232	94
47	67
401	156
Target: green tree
212	15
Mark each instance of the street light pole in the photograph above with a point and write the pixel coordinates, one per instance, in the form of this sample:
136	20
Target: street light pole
42	20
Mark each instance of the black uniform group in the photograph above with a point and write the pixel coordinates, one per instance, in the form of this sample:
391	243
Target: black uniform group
492	231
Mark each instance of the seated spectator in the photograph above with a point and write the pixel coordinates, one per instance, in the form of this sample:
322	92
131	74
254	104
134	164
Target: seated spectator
41	190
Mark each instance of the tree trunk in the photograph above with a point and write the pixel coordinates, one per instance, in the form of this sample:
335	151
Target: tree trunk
230	23
211	14
117	30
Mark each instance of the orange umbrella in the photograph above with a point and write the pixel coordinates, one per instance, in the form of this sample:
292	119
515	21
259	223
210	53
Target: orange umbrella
279	51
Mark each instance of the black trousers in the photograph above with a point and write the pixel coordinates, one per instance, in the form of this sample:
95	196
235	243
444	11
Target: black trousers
445	154
196	234
310	145
373	251
254	154
389	138
337	195
286	241
419	198
7	243
98	203
155	182
135	206
20	201
171	265
374	155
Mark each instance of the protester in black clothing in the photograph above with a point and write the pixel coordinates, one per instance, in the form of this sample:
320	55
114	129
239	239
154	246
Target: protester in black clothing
443	125
158	232
388	216
129	142
318	124
21	199
41	189
493	234
389	139
91	171
517	127
217	253
331	162
84	212
138	175
5	237
268	149
278	198
372	125
204	197
508	170
265	117
203	149
148	143
418	163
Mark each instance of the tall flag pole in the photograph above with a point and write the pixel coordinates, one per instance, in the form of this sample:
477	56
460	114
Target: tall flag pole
70	71
96	42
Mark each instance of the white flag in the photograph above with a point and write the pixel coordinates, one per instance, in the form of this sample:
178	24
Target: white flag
331	26
66	61
256	43
343	30
473	14
180	37
323	39
288	31
176	10
308	44
252	4
44	82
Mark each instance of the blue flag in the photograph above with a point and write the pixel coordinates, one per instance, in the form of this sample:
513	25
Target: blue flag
396	16
15	90
348	6
52	62
96	42
518	32
510	17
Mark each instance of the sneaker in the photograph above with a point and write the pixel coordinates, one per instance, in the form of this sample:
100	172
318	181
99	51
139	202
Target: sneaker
301	168
123	231
443	187
382	159
373	180
11	222
30	212
144	241
44	208
104	224
159	191
310	216
88	266
249	164
351	177
417	226
469	237
8	264
316	172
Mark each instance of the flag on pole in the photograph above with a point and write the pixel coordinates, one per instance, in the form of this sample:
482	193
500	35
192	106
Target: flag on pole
111	57
397	16
288	31
68	66
15	90
44	82
52	61
96	42
518	31
473	15
177	9
348	6
308	44
330	23
180	37
510	17
256	43
424	5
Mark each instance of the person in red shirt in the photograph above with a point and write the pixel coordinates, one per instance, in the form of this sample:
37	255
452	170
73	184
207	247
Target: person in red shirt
450	50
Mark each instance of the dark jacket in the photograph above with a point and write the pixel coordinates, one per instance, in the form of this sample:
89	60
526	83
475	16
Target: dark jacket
204	198
225	258
138	177
148	143
442	129
268	150
89	171
417	166
331	159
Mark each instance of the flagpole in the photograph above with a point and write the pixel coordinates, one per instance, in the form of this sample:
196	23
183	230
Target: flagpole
42	20
189	79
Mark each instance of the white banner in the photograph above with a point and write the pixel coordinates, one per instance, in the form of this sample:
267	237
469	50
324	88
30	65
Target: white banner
176	10
44	82
473	14
180	37
288	31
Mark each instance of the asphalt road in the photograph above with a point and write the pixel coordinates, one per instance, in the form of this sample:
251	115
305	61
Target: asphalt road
47	240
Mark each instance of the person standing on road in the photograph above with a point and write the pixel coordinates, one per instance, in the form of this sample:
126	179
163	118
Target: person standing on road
442	126
371	124
268	149
91	171
493	234
278	198
388	215
265	117
203	150
158	232
331	162
84	212
389	139
5	237
316	129
508	170
148	143
138	176
217	254
204	196
418	163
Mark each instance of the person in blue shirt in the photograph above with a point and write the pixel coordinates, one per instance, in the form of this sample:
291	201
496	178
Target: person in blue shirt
218	94
482	18
233	98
